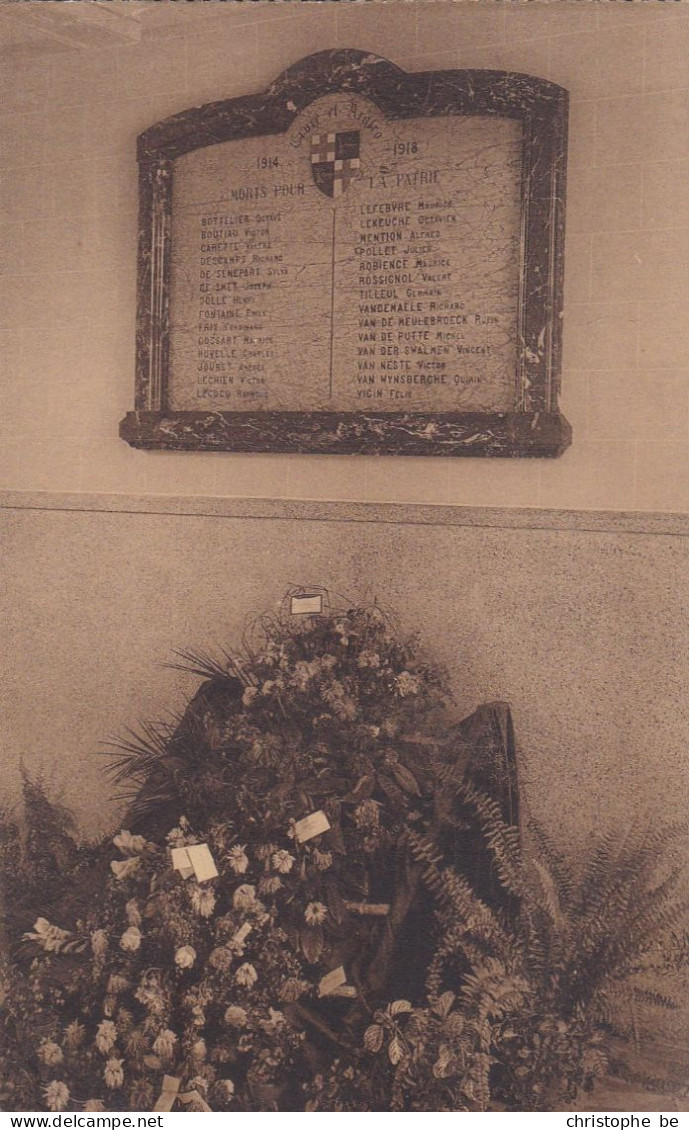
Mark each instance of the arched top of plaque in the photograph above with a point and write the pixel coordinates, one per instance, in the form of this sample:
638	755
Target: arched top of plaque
357	260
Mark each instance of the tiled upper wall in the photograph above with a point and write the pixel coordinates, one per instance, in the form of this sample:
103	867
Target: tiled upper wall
68	127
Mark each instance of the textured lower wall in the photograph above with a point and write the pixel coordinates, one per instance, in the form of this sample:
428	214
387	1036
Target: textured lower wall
580	622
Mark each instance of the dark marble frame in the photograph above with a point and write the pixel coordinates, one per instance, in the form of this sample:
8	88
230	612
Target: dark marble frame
534	428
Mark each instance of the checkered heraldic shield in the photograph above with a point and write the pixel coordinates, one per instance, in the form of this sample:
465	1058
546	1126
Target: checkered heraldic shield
335	161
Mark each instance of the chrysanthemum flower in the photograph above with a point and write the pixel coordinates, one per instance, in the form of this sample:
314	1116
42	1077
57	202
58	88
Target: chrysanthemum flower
133	913
236	1016
244	897
129	844
315	913
164	1043
199	1050
406	684
56	1095
269	884
117	983
250	694
49	1053
125	868
94	1104
203	901
141	1095
74	1035
106	1036
226	1088
237	859
220	958
50	938
185	957
246	975
113	1073
99	942
322	859
283	861
131	939
292	989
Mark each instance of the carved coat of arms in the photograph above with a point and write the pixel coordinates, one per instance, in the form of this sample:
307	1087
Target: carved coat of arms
335	161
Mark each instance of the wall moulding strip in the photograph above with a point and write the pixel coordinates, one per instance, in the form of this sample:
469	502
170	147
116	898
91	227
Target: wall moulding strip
389	513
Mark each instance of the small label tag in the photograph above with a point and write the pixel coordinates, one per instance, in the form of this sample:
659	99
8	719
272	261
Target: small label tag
332	981
168	1093
181	862
307	604
202	861
311	826
242	933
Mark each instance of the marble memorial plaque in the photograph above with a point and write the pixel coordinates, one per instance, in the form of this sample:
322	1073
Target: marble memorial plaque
370	261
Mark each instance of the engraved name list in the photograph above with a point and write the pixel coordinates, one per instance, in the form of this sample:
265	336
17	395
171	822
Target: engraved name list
351	262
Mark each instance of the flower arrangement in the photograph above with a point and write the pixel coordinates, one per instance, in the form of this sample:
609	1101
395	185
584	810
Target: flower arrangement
242	950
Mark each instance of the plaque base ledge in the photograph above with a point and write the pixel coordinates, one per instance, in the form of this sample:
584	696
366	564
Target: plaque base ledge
508	435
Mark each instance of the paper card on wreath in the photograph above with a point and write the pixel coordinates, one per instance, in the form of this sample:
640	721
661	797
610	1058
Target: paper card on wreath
311	826
202	861
181	862
332	981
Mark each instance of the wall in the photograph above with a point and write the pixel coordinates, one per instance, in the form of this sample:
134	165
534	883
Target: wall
68	126
577	622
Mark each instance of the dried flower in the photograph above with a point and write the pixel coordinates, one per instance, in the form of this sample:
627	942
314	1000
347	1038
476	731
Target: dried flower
150	995
250	693
106	1036
49	1053
141	1095
292	989
56	1095
244	897
131	939
199	1050
117	983
236	1016
94	1104
367	814
322	859
226	1088
283	861
185	957
315	913
220	958
50	938
113	1073
269	884
246	975
124	868
99	942
129	844
133	913
203	900
238	859
74	1035
164	1043
406	684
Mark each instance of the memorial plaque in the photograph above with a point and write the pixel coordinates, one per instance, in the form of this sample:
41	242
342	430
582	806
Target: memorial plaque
359	260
